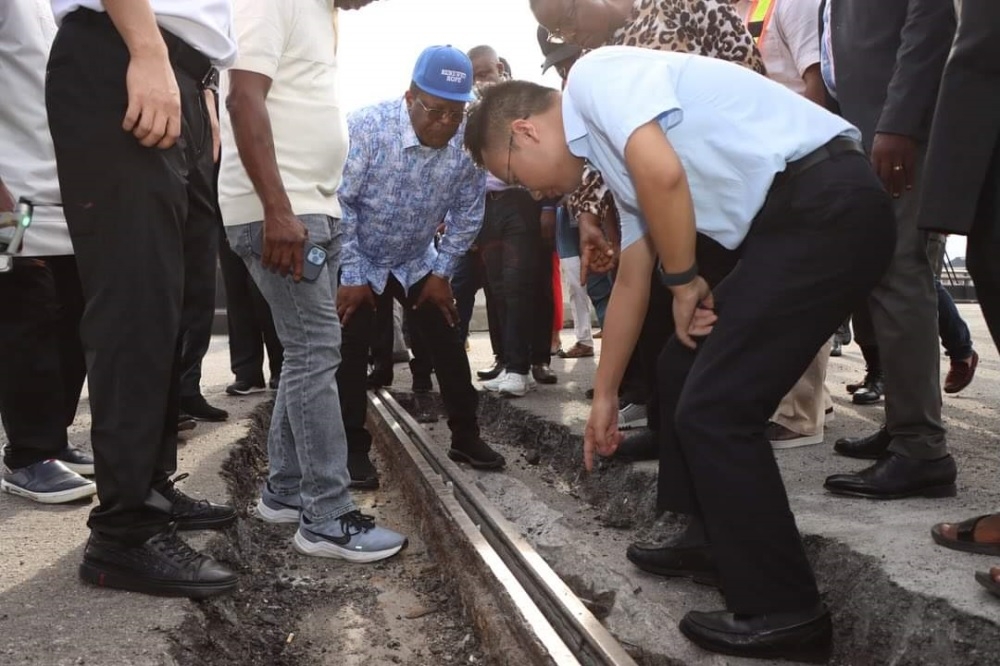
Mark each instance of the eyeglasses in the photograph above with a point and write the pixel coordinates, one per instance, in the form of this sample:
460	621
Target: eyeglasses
510	151
566	27
438	115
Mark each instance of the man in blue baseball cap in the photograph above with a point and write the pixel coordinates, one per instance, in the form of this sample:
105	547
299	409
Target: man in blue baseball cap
406	173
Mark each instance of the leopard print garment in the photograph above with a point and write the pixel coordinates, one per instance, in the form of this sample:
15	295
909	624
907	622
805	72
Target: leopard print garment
706	27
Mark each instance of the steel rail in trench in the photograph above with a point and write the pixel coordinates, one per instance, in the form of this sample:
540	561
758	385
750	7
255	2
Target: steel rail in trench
569	631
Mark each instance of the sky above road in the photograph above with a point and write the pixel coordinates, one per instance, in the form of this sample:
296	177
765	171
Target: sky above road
380	44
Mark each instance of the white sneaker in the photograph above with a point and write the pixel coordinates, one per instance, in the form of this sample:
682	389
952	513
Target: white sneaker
632	416
513	385
493	385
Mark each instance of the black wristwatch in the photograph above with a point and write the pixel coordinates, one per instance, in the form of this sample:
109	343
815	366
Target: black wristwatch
676	279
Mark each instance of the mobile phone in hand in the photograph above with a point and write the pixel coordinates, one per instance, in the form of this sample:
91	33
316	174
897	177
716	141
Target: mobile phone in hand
313	256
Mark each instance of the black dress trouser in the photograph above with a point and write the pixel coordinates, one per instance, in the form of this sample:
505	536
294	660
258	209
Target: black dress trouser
447	355
43	370
821	242
133	213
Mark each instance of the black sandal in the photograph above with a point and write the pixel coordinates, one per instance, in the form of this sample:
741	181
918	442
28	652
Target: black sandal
986	579
966	541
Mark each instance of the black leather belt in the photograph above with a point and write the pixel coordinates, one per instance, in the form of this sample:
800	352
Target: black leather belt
183	56
836	146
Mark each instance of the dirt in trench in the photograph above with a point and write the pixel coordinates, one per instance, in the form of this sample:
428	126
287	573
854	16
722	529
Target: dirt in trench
292	610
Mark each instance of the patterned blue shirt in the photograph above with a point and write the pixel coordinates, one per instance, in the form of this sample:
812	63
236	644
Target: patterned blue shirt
394	195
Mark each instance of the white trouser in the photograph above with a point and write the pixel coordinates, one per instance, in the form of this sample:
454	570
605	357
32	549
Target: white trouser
570	267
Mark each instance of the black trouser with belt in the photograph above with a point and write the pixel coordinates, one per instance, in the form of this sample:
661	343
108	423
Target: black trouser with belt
42	371
132	213
447	354
790	291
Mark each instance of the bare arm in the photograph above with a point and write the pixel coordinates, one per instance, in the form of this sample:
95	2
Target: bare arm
815	88
154	100
284	235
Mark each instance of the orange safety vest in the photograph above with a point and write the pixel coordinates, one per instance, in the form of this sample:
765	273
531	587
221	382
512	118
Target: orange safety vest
758	18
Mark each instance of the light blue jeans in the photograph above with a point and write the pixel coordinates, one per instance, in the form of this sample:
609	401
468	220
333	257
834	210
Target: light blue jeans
306	446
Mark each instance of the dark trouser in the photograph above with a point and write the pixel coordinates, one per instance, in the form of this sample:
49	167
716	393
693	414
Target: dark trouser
248	318
904	313
131	212
955	336
447	354
42	371
382	338
543	306
469	278
422	363
790	291
198	312
599	291
714	263
983	253
510	240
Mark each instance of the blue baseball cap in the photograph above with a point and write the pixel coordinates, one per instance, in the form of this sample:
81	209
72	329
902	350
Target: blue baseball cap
445	72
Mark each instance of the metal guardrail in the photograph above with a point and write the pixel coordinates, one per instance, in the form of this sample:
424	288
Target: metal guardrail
560	621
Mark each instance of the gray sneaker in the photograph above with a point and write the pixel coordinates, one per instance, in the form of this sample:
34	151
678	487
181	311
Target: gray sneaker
270	509
48	482
354	538
632	416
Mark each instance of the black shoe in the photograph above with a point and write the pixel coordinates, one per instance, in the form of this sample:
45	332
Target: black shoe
422	384
191	514
240	387
477	454
897	477
491	372
364	476
837	349
693	562
843	334
380	376
198	408
589	394
274	383
870	447
163	565
798	636
644	445
543	374
76	461
870	391
47	482
185	422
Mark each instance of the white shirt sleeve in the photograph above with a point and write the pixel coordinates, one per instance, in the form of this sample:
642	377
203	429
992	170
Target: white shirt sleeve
261	31
798	23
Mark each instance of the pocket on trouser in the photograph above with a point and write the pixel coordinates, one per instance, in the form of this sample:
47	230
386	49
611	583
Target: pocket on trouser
240	237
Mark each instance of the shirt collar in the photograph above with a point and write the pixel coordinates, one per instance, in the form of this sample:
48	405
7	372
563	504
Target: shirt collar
407	136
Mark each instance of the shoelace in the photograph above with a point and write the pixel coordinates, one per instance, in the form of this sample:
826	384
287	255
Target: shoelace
175	548
356	522
176	495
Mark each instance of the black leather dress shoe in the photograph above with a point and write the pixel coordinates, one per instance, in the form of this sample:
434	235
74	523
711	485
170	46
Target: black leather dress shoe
693	562
798	636
381	375
163	565
870	447
198	408
870	391
897	477
491	372
543	374
644	445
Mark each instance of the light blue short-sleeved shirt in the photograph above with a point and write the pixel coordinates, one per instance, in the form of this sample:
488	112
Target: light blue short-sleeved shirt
732	128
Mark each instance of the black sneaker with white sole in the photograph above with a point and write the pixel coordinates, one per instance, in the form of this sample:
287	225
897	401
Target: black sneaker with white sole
198	408
47	482
164	565
76	461
191	514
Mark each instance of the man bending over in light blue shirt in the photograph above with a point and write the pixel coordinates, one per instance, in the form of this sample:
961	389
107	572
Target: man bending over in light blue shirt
406	171
694	145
